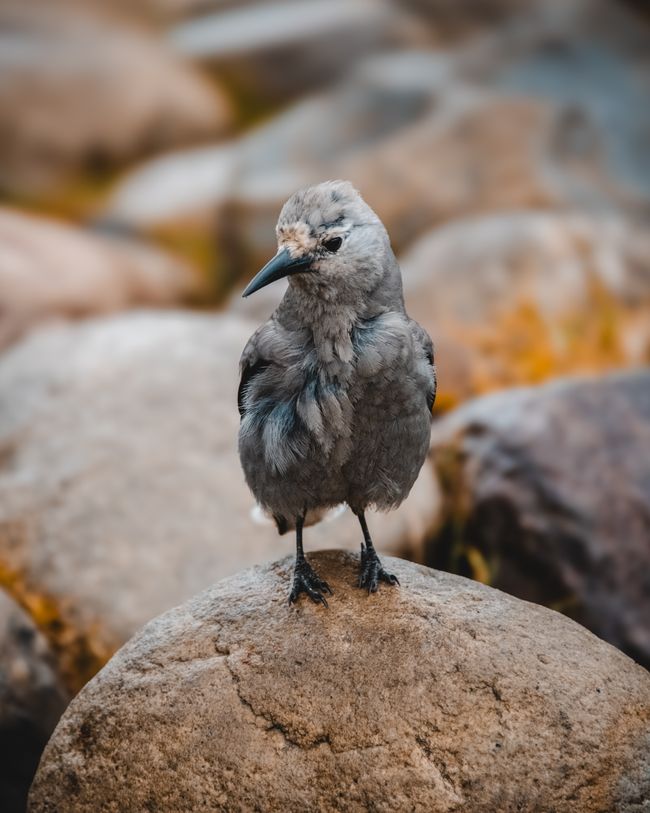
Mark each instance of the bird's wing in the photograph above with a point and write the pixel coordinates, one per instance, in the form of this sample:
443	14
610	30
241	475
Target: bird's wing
423	341
252	363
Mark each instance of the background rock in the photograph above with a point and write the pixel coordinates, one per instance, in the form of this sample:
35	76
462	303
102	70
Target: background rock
546	495
50	270
532	114
441	695
121	492
519	297
252	44
79	91
31	702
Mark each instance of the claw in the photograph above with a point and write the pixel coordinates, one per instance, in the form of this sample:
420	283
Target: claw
372	572
306	580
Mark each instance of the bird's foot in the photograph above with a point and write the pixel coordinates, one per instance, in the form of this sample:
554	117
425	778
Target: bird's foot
306	580
372	571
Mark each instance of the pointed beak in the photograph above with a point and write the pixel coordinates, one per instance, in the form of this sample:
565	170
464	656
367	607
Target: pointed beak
282	265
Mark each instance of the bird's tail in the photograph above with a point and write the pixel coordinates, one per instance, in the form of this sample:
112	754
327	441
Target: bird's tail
286	524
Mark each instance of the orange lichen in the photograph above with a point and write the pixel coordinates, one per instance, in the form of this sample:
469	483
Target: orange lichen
80	653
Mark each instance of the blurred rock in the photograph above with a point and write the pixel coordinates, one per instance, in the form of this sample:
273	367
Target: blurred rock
121	492
49	270
31	702
294	148
544	112
519	297
274	50
378	132
440	695
78	91
547	496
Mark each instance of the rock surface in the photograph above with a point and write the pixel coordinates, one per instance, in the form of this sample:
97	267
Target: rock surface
525	117
121	492
519	297
252	44
547	496
81	91
31	701
516	298
374	130
50	270
441	695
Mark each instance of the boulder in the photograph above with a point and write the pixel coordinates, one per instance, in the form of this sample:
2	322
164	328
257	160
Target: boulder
50	270
251	45
519	297
521	118
388	137
31	701
439	695
121	492
546	494
79	90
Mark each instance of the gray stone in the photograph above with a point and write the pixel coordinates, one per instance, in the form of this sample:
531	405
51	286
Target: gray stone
121	492
79	90
31	701
515	298
49	271
546	494
274	50
441	695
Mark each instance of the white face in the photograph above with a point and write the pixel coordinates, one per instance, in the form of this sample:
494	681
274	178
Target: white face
302	239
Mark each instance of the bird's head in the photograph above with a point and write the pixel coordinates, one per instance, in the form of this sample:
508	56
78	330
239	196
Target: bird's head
330	244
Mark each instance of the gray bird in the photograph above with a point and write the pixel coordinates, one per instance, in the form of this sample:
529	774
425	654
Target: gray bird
337	387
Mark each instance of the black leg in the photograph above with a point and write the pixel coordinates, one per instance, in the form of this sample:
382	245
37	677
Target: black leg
371	571
305	578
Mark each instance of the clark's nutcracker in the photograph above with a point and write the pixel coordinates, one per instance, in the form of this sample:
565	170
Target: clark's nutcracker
337	387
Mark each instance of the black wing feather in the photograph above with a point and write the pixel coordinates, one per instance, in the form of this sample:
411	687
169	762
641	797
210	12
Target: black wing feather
249	371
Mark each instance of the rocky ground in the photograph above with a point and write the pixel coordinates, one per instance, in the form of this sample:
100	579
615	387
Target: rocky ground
444	695
145	151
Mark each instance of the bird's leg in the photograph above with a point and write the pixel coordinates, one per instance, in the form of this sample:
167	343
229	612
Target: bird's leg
305	578
371	571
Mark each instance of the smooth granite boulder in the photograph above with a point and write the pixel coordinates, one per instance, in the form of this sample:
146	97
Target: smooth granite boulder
439	695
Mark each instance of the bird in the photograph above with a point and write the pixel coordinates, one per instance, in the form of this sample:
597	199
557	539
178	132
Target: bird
337	388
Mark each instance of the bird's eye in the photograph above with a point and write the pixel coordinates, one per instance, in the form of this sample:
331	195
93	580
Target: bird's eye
333	244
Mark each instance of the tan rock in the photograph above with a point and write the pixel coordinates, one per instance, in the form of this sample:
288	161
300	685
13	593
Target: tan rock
520	297
121	492
50	270
519	118
78	90
546	493
441	695
31	701
275	50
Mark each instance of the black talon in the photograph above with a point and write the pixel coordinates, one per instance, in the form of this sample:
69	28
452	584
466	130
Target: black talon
371	571
305	578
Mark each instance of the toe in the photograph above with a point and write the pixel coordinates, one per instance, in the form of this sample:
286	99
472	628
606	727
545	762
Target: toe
389	578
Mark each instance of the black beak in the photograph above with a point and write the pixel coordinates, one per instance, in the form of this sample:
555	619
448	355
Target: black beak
282	265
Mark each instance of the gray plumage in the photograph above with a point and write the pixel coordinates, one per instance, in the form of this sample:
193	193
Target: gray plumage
337	386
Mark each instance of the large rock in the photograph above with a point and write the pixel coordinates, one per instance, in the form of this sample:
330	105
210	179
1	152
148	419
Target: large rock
440	695
523	118
31	701
49	270
121	492
385	131
78	91
547	496
520	297
274	50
